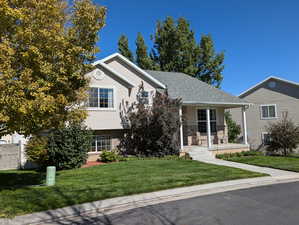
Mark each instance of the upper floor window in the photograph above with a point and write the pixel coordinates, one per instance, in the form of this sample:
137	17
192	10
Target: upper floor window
202	120
268	111
101	97
144	97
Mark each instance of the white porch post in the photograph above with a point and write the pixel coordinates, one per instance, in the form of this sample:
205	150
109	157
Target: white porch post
181	127
208	128
244	125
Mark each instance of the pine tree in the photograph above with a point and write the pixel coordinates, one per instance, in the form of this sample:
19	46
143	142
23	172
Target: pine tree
123	48
176	49
142	58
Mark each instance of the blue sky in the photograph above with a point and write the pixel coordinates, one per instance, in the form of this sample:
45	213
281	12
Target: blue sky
259	37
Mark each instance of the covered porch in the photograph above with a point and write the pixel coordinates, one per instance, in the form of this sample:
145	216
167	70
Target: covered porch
203	125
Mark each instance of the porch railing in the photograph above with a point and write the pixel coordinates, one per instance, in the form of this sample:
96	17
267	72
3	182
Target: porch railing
192	136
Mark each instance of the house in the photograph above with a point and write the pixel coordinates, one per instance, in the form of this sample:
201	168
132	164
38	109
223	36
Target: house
272	98
114	86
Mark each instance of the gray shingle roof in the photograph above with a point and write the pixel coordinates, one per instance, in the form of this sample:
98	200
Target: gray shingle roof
192	90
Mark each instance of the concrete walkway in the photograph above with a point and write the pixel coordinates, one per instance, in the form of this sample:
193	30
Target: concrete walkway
207	157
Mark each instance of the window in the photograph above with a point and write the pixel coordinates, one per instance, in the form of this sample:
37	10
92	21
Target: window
144	97
101	98
268	111
202	120
266	138
100	143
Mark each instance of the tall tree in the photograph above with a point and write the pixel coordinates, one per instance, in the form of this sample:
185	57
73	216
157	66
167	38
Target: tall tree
210	65
175	49
123	48
45	49
142	58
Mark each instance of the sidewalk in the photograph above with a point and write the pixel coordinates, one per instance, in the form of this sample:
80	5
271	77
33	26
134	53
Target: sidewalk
68	214
206	156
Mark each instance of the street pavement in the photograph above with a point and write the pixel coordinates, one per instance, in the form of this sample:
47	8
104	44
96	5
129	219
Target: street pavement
276	204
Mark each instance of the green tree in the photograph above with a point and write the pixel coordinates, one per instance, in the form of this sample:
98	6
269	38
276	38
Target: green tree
45	49
234	130
175	49
142	58
210	64
123	48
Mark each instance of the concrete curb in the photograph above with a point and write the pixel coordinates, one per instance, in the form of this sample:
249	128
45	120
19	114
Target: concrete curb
120	204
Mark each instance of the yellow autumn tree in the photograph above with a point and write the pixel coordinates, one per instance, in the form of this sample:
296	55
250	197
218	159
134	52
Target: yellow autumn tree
46	47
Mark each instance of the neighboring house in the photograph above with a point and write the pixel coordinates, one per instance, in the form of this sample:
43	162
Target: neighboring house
272	99
114	86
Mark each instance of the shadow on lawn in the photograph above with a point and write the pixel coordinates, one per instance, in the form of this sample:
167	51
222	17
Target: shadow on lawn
147	215
17	179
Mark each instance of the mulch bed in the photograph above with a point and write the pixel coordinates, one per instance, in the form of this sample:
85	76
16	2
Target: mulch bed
92	163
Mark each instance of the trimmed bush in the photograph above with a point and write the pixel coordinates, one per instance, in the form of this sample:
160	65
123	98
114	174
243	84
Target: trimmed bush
68	147
238	154
109	156
36	150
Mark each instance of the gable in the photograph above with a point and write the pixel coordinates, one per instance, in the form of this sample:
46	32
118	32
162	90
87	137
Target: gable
122	65
130	73
271	86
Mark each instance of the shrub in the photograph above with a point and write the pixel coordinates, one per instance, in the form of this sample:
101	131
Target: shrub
284	136
238	154
110	156
68	147
36	150
234	130
152	131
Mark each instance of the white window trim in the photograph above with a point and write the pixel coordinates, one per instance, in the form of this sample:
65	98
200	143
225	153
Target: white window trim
96	151
196	116
104	109
268	118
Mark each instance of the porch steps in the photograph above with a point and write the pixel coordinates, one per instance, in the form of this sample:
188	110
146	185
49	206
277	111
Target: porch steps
198	153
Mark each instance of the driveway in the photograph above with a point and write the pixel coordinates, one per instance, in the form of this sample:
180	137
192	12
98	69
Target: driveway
268	205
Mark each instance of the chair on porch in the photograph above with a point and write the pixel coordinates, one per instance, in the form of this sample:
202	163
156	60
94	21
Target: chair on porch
220	137
193	136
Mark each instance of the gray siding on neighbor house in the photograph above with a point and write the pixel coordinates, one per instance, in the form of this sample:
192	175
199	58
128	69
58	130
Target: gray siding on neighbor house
284	95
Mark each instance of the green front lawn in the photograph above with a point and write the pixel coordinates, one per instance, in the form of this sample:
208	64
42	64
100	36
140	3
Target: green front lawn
105	181
277	162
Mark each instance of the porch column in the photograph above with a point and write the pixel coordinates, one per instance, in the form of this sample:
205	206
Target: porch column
244	125
208	128
181	127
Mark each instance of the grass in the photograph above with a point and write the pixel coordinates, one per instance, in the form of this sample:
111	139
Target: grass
278	162
105	181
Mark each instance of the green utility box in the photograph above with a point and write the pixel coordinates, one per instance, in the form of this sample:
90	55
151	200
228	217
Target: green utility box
51	173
